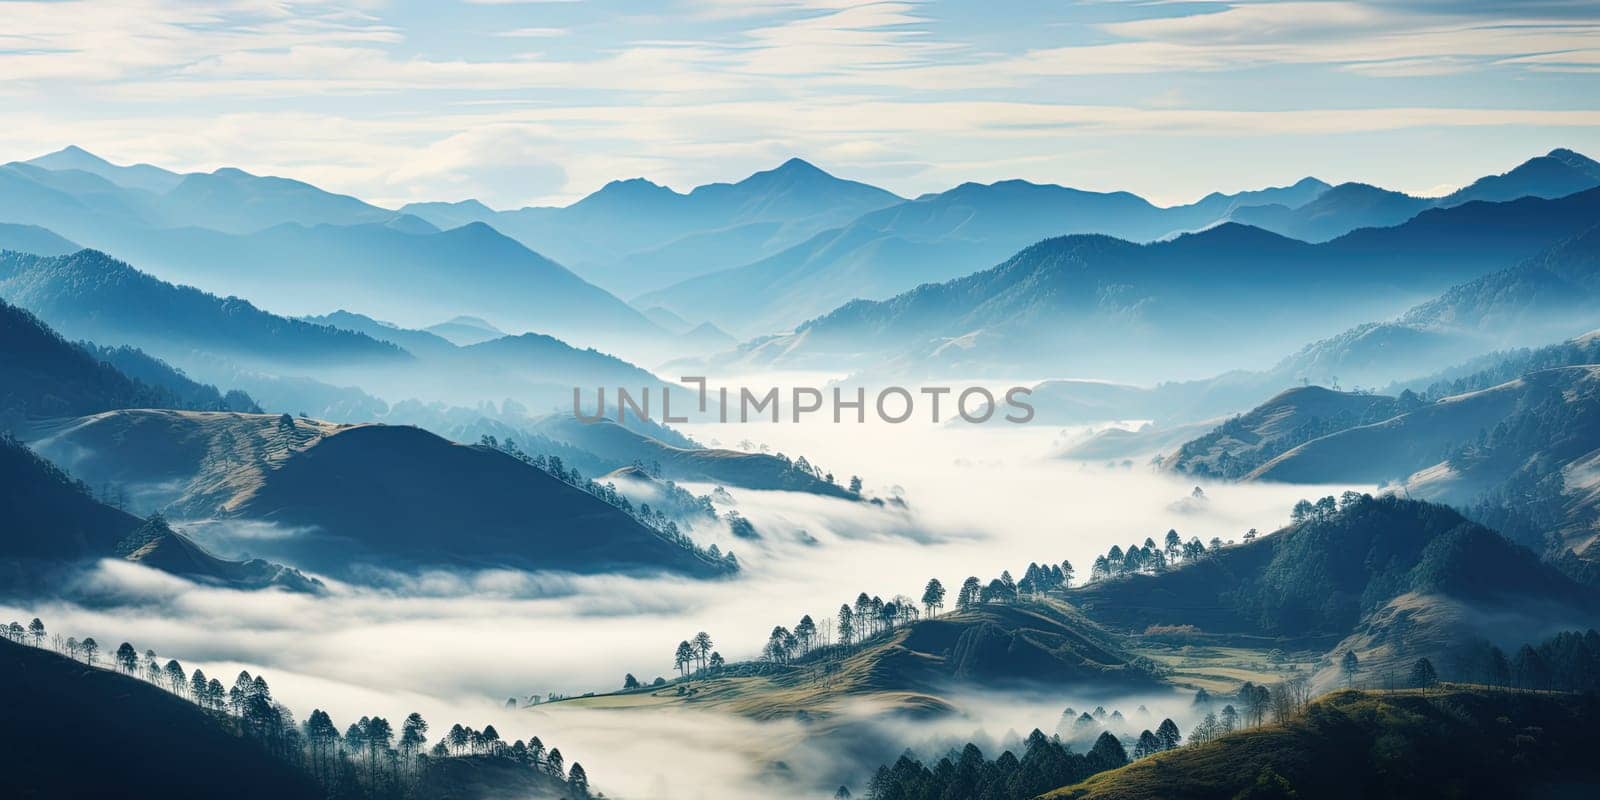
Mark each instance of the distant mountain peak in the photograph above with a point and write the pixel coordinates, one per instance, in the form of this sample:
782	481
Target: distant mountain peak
797	165
76	152
1238	232
1573	158
638	185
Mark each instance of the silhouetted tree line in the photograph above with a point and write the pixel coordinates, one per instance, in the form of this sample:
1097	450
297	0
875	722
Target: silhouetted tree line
652	518
1046	764
1568	661
803	467
868	617
1151	558
370	760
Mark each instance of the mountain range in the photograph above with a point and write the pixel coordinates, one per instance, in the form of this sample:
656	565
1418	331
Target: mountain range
939	237
635	236
1183	307
269	238
755	256
1474	327
929	239
93	296
1350	206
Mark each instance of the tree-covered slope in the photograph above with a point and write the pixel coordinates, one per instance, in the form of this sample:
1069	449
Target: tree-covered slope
145	741
1295	416
1525	443
90	295
1323	574
1452	742
44	375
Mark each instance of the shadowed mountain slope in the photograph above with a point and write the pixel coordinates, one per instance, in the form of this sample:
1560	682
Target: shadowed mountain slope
166	746
53	524
619	446
349	498
93	296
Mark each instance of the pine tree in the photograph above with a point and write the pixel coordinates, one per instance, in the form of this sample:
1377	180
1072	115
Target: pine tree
1423	675
1349	666
933	597
1168	734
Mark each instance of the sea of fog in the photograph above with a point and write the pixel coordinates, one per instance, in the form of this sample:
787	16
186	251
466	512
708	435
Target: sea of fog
978	499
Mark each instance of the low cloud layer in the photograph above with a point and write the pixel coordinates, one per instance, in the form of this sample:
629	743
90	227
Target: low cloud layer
454	645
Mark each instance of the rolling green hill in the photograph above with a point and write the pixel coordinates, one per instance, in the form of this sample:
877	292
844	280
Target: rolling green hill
912	668
1322	575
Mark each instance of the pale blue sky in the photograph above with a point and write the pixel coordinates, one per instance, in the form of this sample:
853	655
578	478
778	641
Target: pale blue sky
537	102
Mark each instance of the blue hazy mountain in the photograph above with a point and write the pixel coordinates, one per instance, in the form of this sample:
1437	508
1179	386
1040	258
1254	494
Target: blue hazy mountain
268	238
89	295
465	330
236	201
1550	296
1335	212
1173	308
1350	206
400	275
138	176
352	498
929	239
938	237
1555	174
540	371
634	235
1475	327
34	239
227	199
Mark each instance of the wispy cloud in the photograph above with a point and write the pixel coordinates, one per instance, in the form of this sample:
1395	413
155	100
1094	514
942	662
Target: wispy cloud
381	100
